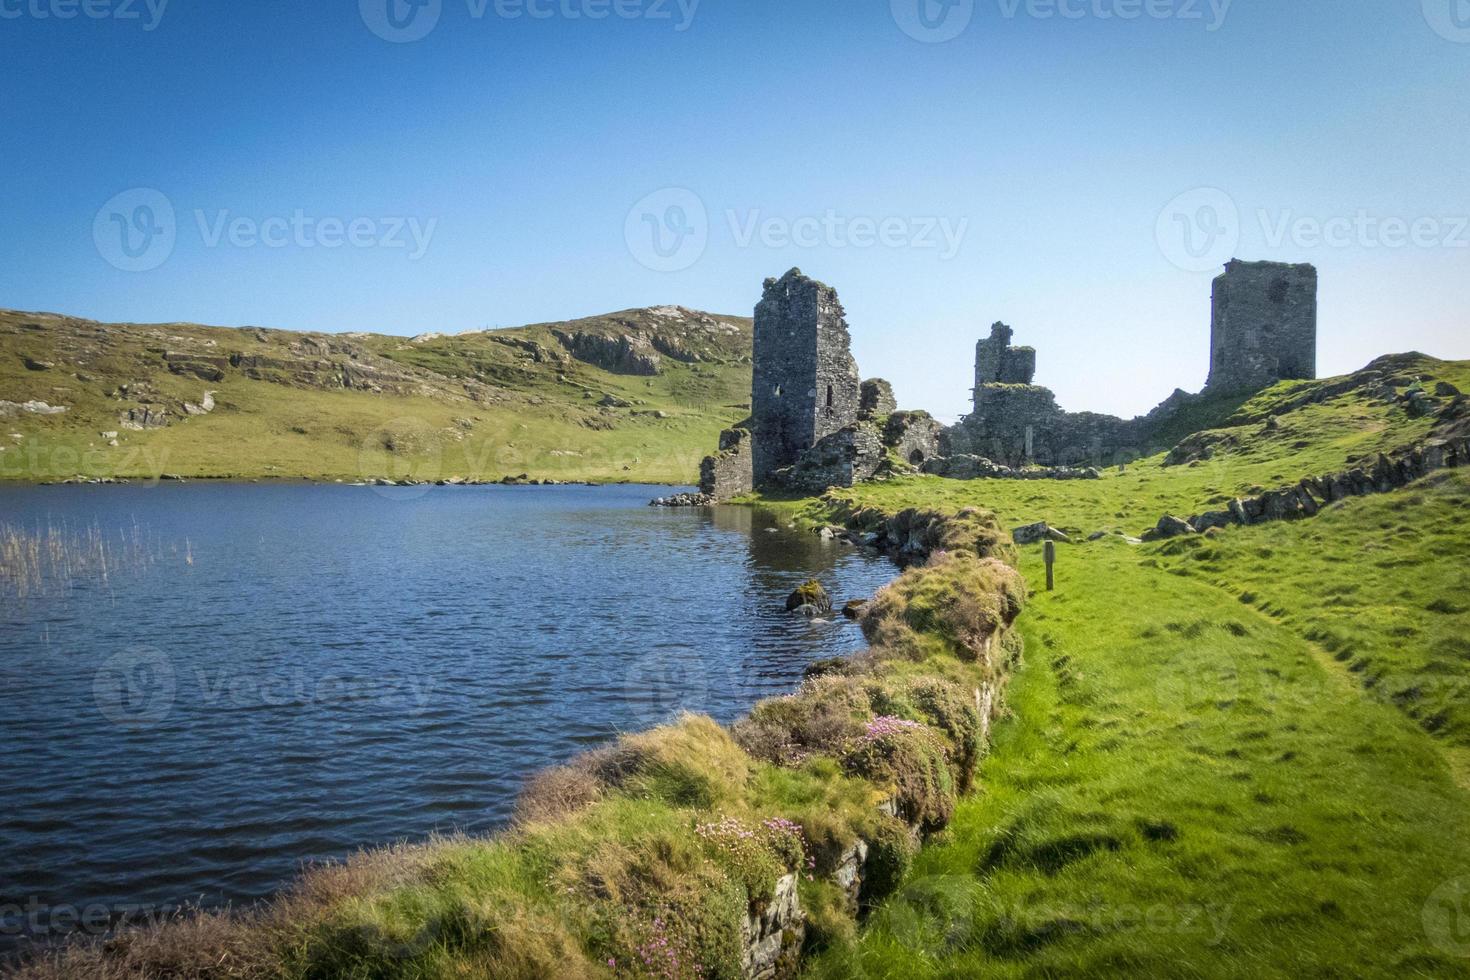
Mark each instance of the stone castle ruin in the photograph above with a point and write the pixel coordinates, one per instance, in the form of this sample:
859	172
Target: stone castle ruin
806	384
1263	326
814	424
1263	330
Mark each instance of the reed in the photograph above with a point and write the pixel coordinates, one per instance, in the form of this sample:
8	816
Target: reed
52	559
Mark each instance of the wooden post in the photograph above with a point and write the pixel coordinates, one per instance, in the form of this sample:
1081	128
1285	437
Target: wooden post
1051	556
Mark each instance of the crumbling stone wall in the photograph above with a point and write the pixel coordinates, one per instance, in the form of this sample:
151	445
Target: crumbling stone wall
913	436
876	399
1263	325
997	362
841	459
728	473
805	382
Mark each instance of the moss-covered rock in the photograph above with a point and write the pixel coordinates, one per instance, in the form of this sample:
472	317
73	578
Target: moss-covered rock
810	594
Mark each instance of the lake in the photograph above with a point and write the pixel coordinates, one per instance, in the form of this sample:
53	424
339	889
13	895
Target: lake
206	685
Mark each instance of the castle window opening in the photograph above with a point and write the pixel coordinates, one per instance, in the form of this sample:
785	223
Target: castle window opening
829	396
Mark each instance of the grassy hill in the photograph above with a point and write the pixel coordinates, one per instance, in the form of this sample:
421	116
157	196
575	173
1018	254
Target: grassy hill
1239	755
639	395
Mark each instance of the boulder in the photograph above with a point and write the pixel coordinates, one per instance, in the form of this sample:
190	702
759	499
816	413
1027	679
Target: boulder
1041	531
810	594
853	608
1170	526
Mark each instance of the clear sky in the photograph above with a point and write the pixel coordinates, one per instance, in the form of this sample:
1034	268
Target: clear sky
943	163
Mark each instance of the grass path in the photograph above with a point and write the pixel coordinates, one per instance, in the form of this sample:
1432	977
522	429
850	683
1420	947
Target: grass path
1190	788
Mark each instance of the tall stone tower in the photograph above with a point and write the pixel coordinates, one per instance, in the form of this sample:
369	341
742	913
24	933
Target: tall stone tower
806	383
1263	327
997	362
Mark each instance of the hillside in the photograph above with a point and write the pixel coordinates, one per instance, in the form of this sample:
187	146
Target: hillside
638	396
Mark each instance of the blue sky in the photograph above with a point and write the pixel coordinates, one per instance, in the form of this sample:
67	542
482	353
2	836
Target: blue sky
1043	166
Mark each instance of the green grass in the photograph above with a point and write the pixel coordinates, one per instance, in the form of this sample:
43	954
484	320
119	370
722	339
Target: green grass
1187	788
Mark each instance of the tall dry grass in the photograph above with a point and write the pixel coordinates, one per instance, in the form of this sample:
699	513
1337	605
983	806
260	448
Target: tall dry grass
48	560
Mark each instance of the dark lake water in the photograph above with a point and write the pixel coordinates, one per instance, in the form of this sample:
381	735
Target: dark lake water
270	675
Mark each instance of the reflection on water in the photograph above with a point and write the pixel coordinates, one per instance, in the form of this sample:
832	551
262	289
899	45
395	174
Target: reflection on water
334	667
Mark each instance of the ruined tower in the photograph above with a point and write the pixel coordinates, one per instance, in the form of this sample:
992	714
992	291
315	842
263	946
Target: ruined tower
1263	326
806	383
997	362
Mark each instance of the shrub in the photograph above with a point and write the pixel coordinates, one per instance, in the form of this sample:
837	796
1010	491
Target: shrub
555	793
957	602
891	851
908	757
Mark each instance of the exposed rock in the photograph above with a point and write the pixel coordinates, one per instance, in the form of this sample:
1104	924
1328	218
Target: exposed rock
1198	446
629	353
1172	527
875	399
1032	533
34	365
685	500
969	467
810	594
772	933
853	608
144	417
1444	389
205	406
30	407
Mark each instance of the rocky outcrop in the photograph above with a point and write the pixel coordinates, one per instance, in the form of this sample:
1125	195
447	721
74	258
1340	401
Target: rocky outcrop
968	467
629	353
1034	533
31	408
772	933
685	500
145	417
1447	446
